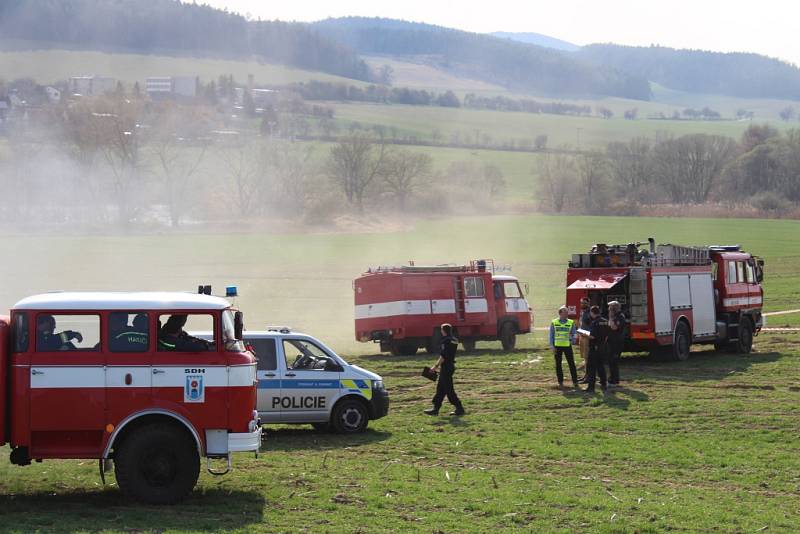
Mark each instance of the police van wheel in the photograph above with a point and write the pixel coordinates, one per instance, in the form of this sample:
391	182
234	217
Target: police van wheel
508	337
322	427
157	464
349	417
744	344
468	344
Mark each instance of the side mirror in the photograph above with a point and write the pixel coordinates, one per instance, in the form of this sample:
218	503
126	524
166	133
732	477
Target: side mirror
527	288
238	325
760	270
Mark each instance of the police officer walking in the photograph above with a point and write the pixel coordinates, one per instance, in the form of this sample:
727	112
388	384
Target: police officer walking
446	364
598	337
562	337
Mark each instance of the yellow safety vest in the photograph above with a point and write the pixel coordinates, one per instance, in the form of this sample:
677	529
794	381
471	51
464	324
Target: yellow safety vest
562	332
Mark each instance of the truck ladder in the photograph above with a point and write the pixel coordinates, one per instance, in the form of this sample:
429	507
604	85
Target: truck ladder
638	295
458	283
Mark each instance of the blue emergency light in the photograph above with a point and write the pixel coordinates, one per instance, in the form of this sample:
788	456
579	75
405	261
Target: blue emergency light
231	291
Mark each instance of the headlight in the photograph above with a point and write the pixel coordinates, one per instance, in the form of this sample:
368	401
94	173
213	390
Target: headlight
377	385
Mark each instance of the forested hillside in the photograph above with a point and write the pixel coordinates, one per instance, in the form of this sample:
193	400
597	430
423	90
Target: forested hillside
515	65
167	26
698	71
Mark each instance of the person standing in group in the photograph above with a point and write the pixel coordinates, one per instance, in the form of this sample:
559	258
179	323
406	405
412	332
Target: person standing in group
598	337
562	337
617	324
583	341
446	366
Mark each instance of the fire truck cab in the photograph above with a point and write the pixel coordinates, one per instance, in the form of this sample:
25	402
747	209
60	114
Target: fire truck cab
402	308
674	295
90	375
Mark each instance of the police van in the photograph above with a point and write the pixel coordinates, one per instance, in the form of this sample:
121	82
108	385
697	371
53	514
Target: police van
301	380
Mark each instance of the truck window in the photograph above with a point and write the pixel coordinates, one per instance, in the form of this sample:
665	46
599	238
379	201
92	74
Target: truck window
751	273
19	332
265	352
740	271
67	332
304	355
498	291
714	269
174	332
128	331
731	275
473	287
511	290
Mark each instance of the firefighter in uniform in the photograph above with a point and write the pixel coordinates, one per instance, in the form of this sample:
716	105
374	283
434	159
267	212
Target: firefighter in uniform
616	340
47	339
125	338
583	341
172	337
447	365
562	337
598	337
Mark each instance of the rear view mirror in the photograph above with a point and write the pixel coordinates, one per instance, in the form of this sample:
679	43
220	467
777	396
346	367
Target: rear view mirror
238	325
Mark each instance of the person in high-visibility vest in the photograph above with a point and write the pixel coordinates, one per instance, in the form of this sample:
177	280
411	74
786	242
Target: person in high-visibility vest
562	337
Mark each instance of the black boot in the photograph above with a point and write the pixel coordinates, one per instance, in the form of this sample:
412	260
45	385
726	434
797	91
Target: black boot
431	411
458	411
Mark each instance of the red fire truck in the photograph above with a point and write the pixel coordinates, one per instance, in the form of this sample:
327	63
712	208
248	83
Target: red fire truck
87	375
402	307
674	295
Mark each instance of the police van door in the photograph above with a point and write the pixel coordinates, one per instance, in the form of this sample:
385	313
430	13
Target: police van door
310	382
269	382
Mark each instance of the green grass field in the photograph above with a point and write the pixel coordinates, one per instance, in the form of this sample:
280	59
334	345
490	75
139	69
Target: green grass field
708	445
49	66
586	132
304	280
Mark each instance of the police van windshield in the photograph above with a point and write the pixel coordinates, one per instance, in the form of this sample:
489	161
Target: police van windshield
229	333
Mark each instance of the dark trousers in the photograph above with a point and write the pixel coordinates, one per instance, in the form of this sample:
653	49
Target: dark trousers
444	388
596	368
565	351
613	366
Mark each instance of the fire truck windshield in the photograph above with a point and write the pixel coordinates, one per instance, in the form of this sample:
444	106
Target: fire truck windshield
229	333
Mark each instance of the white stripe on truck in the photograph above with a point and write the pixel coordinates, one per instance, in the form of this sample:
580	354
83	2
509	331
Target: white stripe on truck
741	301
90	376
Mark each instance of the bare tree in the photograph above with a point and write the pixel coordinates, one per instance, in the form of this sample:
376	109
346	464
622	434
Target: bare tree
630	166
404	169
591	169
244	174
179	149
291	167
355	163
689	167
556	176
115	124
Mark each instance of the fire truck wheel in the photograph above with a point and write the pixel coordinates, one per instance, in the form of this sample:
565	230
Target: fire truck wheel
745	342
508	337
404	348
683	342
157	464
349	417
469	345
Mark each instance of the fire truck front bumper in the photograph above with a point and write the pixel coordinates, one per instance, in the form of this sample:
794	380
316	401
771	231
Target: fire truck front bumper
244	441
220	443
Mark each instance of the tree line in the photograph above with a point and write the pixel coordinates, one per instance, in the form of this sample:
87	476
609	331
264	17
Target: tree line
168	26
761	169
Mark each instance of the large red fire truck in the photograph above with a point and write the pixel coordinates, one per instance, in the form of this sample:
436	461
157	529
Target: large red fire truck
674	295
87	375
402	307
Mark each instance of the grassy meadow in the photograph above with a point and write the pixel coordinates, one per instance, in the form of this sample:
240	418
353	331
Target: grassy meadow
304	279
708	445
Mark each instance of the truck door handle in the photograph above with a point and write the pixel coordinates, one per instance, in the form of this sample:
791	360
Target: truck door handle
158	371
290	374
269	374
36	372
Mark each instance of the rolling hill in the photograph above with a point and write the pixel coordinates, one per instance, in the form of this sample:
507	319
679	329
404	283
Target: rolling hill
538	39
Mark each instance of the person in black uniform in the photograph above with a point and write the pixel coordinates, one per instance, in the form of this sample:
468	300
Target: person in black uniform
617	324
598	337
172	337
447	365
126	338
48	340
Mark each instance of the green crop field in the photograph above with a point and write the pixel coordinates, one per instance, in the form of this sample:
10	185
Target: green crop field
304	279
49	66
586	132
707	445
